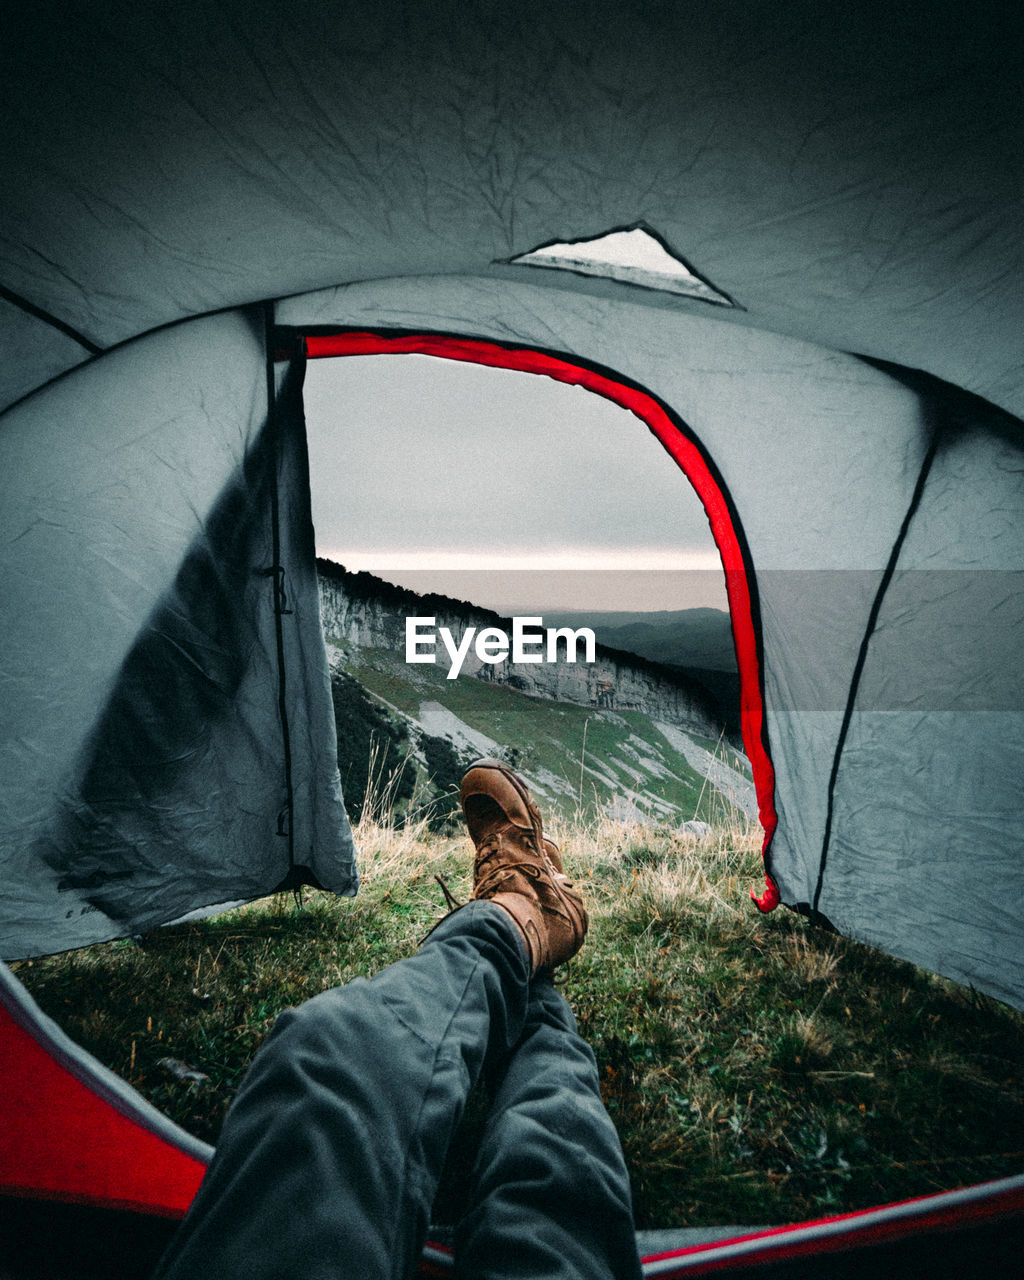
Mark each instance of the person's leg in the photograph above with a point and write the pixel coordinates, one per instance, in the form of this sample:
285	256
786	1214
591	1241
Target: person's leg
331	1152
551	1191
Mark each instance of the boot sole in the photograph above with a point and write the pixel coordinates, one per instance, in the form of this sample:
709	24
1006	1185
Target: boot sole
574	910
517	784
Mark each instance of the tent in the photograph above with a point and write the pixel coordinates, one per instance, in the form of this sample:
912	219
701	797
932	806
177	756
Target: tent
786	237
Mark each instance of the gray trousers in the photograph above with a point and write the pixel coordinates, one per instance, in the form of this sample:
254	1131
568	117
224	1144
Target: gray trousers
330	1155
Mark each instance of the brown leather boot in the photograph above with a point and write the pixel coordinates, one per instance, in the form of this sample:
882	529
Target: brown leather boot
517	868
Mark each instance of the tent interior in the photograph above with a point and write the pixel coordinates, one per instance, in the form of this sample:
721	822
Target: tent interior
787	238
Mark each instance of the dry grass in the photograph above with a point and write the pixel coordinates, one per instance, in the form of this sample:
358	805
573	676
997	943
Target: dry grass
758	1069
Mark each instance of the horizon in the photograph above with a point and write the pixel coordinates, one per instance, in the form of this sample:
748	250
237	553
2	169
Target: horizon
522	592
422	470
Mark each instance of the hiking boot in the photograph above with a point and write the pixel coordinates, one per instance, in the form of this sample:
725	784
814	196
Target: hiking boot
517	868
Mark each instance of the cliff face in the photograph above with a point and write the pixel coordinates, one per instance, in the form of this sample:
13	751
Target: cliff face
357	618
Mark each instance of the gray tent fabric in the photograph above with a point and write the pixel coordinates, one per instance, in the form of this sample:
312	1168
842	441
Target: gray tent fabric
179	179
851	180
35	350
823	456
924	855
144	759
851	176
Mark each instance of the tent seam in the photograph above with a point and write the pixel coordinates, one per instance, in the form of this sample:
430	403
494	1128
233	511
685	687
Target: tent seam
862	656
285	822
30	308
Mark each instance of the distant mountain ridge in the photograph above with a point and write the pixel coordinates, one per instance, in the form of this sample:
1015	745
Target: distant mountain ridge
696	641
699	638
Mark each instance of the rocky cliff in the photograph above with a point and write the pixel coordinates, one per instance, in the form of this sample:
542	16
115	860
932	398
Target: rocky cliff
360	611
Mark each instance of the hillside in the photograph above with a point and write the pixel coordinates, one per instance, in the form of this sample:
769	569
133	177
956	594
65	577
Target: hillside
362	611
697	642
620	736
698	638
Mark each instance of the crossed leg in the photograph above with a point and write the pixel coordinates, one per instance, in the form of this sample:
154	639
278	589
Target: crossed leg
331	1153
551	1193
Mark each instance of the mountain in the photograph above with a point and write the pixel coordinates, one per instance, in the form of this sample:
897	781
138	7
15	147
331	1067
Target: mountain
622	733
696	641
687	638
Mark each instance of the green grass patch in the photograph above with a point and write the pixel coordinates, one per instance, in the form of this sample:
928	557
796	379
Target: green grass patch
618	752
759	1070
377	672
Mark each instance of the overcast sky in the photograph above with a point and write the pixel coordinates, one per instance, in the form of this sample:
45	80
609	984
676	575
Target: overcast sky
505	488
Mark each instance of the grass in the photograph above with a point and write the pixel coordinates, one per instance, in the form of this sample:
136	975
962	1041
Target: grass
759	1070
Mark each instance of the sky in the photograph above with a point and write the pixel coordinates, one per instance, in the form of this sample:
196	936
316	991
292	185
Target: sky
505	488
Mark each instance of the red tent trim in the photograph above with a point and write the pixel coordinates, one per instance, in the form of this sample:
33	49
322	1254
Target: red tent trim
687	452
883	1224
74	1132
